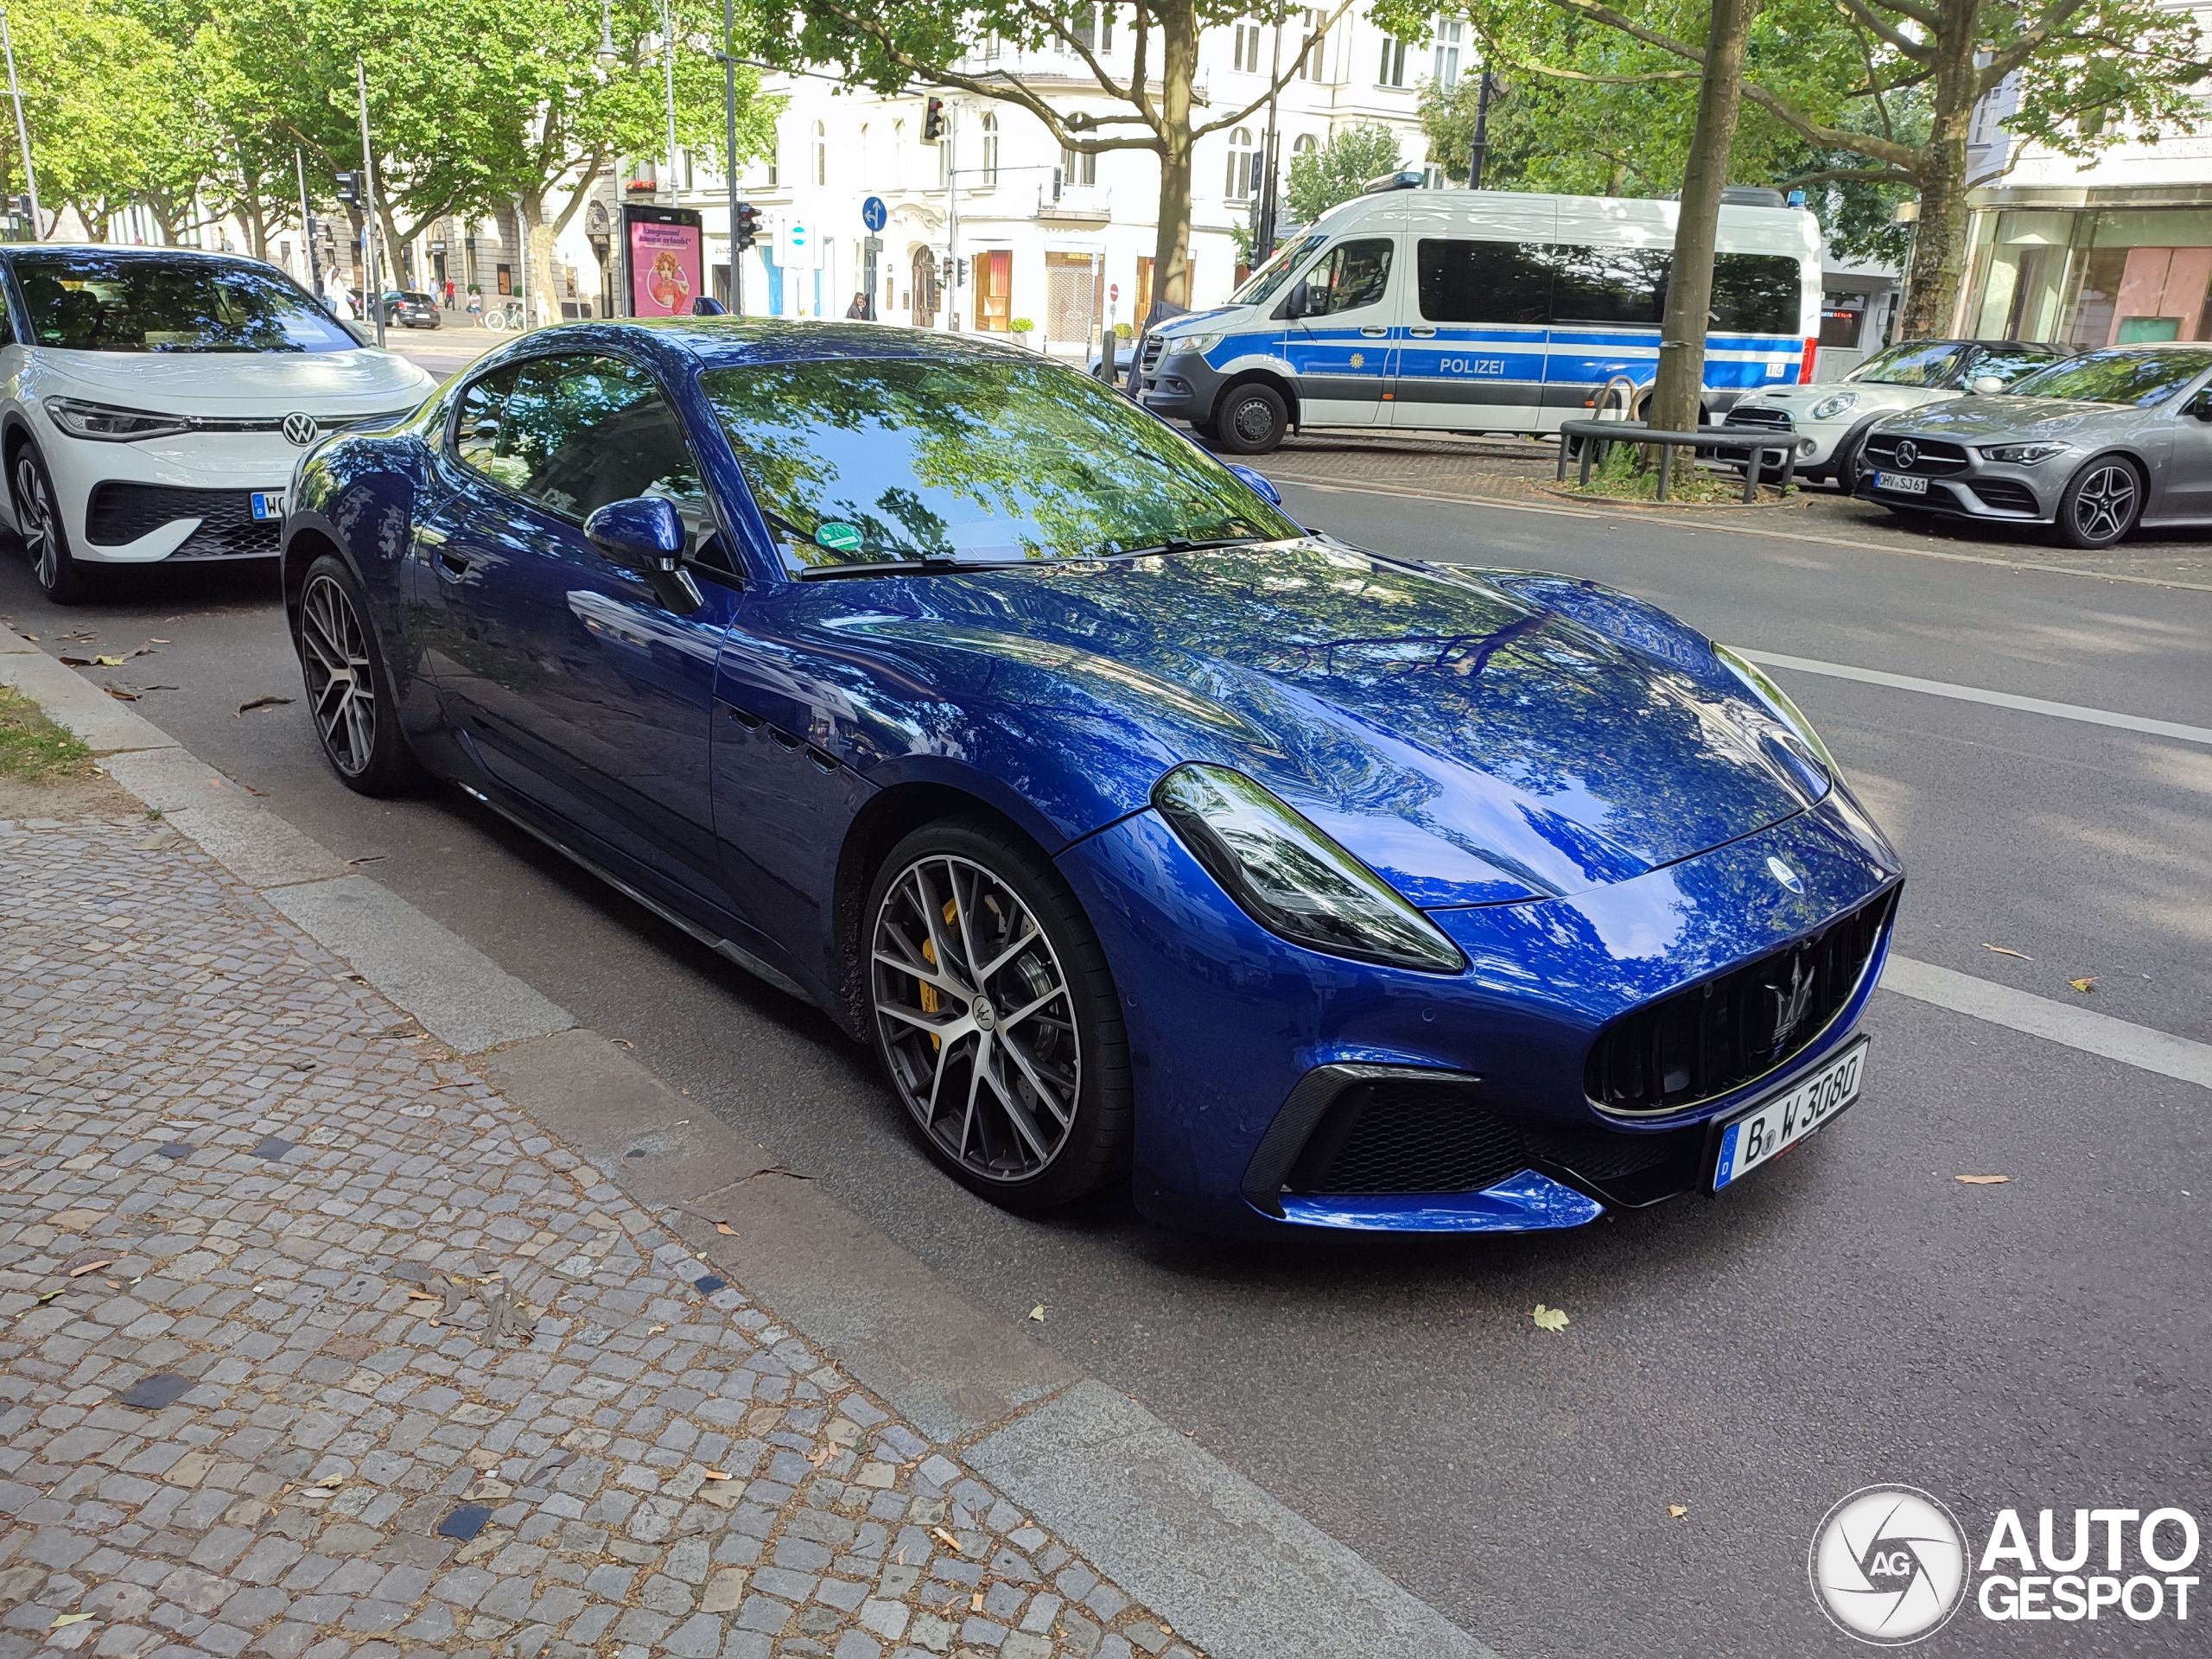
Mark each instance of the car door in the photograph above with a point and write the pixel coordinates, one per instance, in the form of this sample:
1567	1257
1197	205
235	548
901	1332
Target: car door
1340	340
1472	357
574	687
2185	493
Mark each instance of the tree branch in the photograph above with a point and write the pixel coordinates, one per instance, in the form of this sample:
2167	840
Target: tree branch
1867	17
2031	41
1851	175
1063	27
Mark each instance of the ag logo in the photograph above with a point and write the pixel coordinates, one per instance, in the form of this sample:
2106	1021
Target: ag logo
1889	1565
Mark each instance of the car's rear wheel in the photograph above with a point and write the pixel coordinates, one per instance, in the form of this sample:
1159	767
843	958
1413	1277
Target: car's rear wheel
349	694
1251	419
2101	503
1845	467
46	538
996	1016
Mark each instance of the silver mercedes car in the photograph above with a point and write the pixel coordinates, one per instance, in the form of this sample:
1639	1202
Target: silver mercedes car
2093	446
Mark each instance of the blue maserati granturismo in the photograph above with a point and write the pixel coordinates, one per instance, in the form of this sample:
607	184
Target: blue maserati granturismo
1148	835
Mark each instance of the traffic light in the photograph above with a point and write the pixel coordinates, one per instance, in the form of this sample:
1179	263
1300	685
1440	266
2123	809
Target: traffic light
349	189
748	225
933	121
945	271
963	273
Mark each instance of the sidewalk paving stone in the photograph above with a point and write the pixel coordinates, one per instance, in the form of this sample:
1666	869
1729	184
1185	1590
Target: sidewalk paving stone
312	1346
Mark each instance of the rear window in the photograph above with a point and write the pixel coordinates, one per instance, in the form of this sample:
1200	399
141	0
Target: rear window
95	301
1483	282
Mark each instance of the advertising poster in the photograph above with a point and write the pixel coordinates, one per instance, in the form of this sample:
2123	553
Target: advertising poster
667	268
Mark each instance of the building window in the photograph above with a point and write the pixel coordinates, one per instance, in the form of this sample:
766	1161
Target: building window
772	166
1246	50
1243	166
1078	168
1445	67
821	154
1392	72
990	152
1304	144
1314	36
1092	28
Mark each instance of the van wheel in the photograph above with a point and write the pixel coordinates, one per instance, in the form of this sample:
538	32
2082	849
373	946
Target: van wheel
1252	419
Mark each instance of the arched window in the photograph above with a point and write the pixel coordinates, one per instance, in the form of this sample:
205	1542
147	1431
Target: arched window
1244	165
1304	144
990	151
821	154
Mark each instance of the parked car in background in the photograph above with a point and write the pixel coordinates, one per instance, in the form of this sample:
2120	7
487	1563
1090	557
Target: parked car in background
410	309
1827	422
154	401
2092	446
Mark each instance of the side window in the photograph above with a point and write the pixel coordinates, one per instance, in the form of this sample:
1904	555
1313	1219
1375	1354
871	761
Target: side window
1756	293
476	433
588	430
7	318
1483	281
1616	285
2007	363
1353	274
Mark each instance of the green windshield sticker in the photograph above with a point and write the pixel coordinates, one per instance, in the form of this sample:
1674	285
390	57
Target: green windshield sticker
838	537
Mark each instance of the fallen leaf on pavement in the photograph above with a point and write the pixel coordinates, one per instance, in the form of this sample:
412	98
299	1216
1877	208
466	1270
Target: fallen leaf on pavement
2084	986
331	1483
1549	1319
119	694
1038	1312
947	1540
2003	950
75	662
260	702
821	1454
63	1620
975	1602
726	1229
655	1330
49	1297
111	662
1982	1180
719	1474
91	1267
1678	1510
422	1296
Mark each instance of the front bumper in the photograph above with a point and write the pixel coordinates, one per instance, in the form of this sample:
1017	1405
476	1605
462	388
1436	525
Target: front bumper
1184	387
1813	443
1961	484
185	497
1241	1043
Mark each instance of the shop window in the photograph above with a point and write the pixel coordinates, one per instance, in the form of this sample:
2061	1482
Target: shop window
993	277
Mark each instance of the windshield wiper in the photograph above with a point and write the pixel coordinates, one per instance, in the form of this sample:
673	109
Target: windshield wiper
877	567
1176	544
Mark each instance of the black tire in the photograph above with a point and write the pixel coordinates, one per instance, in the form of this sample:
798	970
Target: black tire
973	1134
1844	468
2103	502
46	538
338	648
1206	432
1250	419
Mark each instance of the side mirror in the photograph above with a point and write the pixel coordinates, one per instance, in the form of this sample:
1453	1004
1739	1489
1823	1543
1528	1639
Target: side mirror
1985	386
708	306
2201	405
1297	303
1260	484
646	534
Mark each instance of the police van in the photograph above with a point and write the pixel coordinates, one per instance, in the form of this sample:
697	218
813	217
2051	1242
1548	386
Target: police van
1480	311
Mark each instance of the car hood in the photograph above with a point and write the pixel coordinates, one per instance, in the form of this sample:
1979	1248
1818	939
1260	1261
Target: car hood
2009	417
363	382
1476	738
1872	398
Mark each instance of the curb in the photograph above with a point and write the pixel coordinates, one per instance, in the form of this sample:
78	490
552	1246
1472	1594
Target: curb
1233	1569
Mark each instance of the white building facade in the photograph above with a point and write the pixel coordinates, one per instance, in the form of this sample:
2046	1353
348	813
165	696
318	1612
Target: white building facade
1037	233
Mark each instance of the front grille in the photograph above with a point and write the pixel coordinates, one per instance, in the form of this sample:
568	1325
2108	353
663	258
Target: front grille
1150	359
1933	457
121	512
2004	495
1776	420
1406	1136
1718	1036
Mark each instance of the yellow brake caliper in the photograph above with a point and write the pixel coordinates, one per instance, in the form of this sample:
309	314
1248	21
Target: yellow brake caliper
932	1000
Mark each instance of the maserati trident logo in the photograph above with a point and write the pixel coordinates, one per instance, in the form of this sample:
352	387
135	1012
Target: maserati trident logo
300	429
1782	872
1790	1005
1908	452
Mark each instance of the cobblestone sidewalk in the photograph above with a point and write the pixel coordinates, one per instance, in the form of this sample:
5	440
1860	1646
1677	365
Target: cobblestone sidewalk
310	1343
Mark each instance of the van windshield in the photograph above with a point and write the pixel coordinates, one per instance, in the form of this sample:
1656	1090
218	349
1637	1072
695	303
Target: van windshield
1267	281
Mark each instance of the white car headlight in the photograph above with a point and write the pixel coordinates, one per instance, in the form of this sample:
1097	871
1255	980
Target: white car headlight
1293	879
1192	345
1828	408
2024	454
108	423
1756	681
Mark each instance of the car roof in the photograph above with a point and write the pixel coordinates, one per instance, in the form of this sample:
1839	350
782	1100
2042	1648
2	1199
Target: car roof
732	342
128	252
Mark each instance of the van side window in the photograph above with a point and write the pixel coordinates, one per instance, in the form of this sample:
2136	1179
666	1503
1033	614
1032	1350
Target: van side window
1355	273
1624	285
1756	293
1483	281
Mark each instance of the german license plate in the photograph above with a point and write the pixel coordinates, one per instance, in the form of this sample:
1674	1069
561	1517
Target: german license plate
267	504
1901	483
1780	1122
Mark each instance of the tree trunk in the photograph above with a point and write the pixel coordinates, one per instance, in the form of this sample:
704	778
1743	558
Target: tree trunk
1679	391
1178	62
538	236
1939	241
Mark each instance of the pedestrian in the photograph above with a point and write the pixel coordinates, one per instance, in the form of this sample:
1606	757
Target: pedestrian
475	305
862	308
448	293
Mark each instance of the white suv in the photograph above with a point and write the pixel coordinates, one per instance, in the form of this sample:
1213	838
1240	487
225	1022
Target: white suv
154	402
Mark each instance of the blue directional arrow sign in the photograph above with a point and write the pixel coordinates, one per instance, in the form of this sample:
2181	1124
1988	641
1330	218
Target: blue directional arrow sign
873	214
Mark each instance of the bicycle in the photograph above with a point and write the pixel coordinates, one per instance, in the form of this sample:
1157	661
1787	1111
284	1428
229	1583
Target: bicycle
501	317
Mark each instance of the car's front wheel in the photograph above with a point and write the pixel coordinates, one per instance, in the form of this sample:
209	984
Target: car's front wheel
2101	503
349	694
46	538
1251	419
996	1016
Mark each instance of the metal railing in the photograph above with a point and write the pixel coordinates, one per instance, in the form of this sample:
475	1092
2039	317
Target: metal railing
1751	445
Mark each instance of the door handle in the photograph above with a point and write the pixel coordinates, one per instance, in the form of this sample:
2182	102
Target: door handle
1422	333
1374	331
451	565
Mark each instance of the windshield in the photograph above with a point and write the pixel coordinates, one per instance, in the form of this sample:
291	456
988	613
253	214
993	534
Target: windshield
857	461
1915	363
2122	376
1267	281
98	302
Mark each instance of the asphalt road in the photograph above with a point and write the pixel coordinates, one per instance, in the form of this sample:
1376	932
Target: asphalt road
1853	1315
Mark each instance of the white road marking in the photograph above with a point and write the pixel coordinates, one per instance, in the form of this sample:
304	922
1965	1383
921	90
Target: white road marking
2057	1022
1995	699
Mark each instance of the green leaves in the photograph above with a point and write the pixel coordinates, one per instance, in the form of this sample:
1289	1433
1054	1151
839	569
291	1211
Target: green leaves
1339	169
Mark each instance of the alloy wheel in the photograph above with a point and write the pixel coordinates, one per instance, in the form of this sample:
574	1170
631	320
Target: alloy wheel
341	686
2105	506
976	1019
39	538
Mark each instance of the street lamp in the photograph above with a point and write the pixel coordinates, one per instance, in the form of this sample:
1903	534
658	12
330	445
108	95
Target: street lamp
668	52
607	55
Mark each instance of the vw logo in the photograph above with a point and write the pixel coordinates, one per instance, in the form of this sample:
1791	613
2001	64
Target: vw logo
1889	1565
300	429
1782	872
1908	452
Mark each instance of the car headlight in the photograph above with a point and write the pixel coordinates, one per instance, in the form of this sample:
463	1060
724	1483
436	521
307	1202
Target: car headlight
1193	344
1756	681
110	424
1293	879
2024	454
1828	408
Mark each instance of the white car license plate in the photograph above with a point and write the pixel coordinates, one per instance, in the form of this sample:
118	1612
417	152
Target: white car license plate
267	504
1903	483
1782	1121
